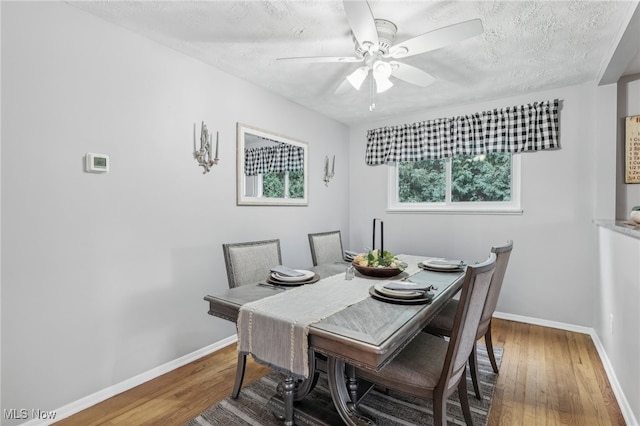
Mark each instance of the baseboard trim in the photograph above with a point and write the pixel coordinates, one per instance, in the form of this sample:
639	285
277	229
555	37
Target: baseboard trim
93	399
544	323
625	408
627	413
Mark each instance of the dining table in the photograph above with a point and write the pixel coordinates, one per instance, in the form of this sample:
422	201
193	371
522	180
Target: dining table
334	323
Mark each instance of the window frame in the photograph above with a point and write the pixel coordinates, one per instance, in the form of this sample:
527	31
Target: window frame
474	207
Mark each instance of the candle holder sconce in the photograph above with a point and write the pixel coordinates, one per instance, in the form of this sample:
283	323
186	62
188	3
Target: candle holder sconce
204	155
328	175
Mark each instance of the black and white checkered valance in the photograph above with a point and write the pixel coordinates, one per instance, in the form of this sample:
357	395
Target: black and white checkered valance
513	129
273	159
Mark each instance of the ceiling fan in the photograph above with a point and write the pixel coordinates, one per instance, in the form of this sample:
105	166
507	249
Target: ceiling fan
374	47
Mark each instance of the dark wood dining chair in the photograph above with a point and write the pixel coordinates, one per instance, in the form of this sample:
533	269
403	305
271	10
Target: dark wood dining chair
429	367
442	324
249	263
326	247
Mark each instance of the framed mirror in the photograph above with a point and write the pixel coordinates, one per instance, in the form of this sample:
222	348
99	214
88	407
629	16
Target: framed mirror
272	169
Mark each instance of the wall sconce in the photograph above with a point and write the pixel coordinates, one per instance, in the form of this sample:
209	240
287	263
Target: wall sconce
203	155
328	176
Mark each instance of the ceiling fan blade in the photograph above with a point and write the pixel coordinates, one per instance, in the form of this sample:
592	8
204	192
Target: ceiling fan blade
321	59
362	23
436	39
411	74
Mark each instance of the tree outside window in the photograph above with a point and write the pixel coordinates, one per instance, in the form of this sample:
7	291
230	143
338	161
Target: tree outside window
283	185
479	180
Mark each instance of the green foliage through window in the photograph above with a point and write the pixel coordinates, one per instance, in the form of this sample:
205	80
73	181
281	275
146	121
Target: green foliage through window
422	181
296	184
274	184
480	178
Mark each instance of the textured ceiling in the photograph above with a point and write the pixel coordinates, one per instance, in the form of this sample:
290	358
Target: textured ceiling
526	46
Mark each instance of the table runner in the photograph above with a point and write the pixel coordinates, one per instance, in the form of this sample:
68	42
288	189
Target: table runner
275	330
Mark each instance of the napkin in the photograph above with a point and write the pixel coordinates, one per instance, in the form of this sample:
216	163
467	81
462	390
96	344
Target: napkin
349	255
407	286
286	271
446	262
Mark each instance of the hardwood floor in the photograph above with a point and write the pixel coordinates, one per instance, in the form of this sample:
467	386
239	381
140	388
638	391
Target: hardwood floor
550	377
547	377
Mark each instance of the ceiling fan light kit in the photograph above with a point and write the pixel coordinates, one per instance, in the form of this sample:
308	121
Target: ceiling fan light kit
381	72
374	45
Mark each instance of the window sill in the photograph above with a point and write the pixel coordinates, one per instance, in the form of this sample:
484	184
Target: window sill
450	210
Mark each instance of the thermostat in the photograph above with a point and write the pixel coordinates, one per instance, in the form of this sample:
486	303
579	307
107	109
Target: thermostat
97	163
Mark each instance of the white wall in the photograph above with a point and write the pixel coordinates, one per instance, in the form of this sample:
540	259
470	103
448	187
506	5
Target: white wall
551	273
103	276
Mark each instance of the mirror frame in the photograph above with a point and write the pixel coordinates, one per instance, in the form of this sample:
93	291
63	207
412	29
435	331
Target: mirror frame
243	200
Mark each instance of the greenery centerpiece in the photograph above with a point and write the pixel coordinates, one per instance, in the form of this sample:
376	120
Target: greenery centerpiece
378	264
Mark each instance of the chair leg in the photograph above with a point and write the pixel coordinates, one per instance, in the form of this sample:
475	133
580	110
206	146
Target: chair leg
242	363
473	366
489	344
439	408
464	400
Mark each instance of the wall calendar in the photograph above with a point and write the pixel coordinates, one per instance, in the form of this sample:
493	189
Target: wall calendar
632	149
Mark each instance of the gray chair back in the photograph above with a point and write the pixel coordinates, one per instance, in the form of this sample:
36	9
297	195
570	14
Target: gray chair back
250	262
470	307
502	259
326	247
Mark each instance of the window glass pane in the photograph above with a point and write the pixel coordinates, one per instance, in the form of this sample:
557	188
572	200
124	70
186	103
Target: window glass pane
481	178
422	181
296	184
273	185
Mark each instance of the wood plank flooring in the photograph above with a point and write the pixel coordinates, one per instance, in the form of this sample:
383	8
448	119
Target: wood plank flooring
547	377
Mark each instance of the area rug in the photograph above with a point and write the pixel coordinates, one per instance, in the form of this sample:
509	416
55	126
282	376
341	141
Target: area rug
256	401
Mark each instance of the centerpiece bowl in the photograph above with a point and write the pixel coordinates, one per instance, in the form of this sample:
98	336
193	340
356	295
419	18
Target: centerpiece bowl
376	271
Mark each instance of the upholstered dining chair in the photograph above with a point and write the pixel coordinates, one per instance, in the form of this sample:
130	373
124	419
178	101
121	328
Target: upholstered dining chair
442	324
429	366
326	247
248	263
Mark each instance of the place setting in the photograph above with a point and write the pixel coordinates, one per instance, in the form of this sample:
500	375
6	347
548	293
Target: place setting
285	276
443	265
402	292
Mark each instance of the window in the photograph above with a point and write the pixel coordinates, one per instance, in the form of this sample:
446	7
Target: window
486	183
283	184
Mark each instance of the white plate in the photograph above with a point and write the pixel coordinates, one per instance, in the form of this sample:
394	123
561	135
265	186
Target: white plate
307	275
398	294
432	265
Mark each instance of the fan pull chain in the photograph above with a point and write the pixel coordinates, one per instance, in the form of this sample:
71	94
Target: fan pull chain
372	103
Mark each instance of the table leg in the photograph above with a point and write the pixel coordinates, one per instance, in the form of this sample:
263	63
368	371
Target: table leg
287	395
341	396
295	390
352	383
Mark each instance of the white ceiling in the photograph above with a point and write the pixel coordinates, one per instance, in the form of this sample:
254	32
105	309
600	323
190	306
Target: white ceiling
526	46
